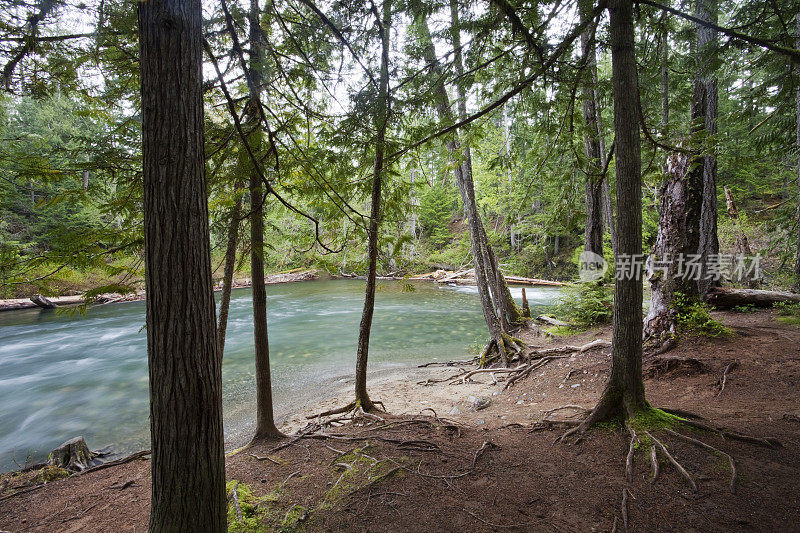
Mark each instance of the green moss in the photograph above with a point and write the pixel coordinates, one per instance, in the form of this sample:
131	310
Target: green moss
651	419
693	317
788	313
563	331
293	517
252	515
50	473
354	471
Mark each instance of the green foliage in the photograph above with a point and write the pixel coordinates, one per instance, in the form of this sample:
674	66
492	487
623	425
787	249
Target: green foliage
587	304
693	317
788	313
435	208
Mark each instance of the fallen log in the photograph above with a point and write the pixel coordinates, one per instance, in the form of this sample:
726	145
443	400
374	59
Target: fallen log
42	302
723	297
551	321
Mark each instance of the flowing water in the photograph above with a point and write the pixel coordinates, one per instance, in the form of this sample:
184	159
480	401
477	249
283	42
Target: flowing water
65	375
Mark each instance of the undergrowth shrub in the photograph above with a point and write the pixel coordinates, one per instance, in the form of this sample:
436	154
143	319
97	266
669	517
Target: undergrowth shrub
693	317
587	304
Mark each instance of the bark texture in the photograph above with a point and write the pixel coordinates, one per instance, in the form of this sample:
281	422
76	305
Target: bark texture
188	468
797	255
624	392
265	418
704	121
679	210
593	233
365	328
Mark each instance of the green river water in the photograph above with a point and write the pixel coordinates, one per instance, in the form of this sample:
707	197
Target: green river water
63	376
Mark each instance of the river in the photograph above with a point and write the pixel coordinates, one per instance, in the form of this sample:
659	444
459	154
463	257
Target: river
65	375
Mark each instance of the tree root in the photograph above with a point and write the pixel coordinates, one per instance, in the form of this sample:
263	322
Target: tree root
767	442
721	382
629	458
654	463
674	462
711	449
487	444
624	507
549	412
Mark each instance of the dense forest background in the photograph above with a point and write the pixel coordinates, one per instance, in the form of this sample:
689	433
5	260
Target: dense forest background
70	157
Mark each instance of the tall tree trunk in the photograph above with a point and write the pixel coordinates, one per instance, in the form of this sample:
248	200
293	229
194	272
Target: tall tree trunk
593	234
445	113
624	392
381	120
664	79
797	256
188	464
504	303
704	118
230	266
265	418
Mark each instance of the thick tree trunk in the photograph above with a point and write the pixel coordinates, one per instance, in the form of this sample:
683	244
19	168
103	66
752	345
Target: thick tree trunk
188	464
664	79
227	276
678	210
265	418
704	119
382	117
797	255
624	392
593	234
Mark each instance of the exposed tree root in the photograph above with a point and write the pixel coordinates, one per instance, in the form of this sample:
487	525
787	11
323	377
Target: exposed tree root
768	442
629	458
674	462
724	378
549	412
654	463
711	449
624	507
660	366
487	444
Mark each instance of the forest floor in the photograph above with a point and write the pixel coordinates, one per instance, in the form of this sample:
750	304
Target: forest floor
443	466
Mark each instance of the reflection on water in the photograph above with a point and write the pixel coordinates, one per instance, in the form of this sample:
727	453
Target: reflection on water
63	376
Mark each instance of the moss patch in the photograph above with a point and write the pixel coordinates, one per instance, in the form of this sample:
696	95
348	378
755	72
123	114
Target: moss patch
651	419
50	473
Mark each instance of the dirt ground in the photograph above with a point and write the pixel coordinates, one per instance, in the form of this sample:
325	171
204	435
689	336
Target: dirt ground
438	464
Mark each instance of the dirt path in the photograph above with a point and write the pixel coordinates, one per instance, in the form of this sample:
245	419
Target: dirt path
493	469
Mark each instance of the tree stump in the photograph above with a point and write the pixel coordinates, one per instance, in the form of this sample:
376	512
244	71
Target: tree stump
73	455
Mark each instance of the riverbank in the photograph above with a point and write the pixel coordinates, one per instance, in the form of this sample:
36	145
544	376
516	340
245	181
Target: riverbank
13	304
456	468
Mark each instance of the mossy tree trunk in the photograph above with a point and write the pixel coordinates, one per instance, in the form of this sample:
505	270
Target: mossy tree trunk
680	200
188	464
